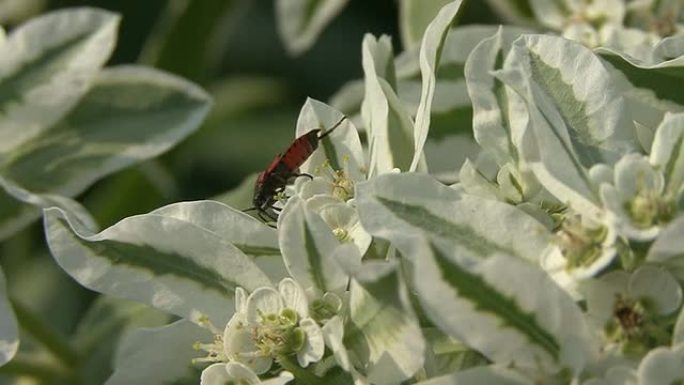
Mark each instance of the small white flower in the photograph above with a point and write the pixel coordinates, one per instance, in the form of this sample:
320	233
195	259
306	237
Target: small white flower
663	366
628	308
235	373
637	199
272	323
582	250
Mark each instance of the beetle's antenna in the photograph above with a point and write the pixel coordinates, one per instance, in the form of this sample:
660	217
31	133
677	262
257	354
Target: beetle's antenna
330	130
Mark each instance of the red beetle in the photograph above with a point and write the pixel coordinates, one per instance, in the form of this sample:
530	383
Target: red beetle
282	170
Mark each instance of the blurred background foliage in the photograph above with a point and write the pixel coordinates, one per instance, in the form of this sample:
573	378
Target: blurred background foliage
232	49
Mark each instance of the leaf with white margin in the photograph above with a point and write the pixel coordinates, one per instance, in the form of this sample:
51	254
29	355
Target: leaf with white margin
668	248
248	234
661	75
385	332
388	122
341	148
157	356
429	56
504	307
9	332
47	65
402	207
168	263
575	93
483	375
300	22
414	17
662	366
131	113
488	94
306	243
667	151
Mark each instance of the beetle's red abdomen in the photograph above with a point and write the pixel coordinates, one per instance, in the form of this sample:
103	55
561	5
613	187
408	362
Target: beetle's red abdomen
300	150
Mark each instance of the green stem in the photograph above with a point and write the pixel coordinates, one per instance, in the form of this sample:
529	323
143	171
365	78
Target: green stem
41	331
302	376
32	367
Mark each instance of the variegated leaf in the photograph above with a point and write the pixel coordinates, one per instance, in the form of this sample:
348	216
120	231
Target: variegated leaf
9	332
430	53
385	332
168	263
504	307
46	66
306	243
404	207
667	152
301	21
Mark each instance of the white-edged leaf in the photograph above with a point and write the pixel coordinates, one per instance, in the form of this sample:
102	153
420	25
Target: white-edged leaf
306	243
403	207
389	338
158	356
577	116
414	17
430	52
9	331
300	22
248	234
131	113
668	248
488	94
667	151
506	308
168	263
662	74
574	91
387	121
46	65
341	149
483	375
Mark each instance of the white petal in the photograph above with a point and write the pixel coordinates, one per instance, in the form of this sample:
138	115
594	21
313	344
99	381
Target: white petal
215	374
282	379
294	297
657	286
662	366
240	372
263	301
314	347
601	295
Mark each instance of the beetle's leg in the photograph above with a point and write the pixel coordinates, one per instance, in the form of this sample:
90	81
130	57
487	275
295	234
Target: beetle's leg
297	175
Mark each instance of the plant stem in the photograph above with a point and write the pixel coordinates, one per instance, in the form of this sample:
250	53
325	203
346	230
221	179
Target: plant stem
301	375
41	331
32	367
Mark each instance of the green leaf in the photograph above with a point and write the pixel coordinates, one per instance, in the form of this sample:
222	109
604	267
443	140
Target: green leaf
414	17
48	64
386	334
14	215
168	263
249	235
430	53
307	244
506	308
100	329
340	150
387	121
130	114
158	356
9	332
517	12
300	22
404	207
